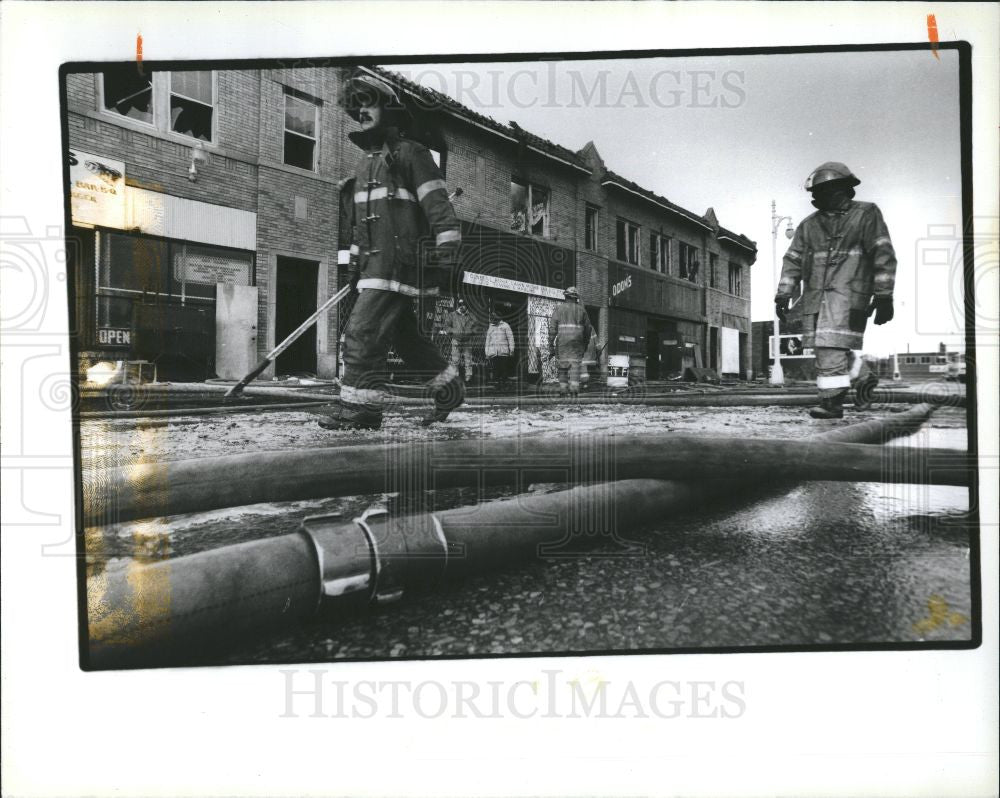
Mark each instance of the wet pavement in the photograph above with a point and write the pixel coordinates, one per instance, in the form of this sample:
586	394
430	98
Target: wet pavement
815	563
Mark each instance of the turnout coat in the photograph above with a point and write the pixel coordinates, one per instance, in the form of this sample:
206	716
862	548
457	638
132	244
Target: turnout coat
569	332
404	235
842	258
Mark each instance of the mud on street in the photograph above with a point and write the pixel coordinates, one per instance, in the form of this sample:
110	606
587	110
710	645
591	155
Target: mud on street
805	564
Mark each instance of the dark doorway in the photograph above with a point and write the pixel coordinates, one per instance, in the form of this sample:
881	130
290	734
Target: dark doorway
513	309
294	302
652	350
671	352
713	348
744	355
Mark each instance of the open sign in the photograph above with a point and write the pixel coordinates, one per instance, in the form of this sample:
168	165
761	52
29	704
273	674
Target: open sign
114	336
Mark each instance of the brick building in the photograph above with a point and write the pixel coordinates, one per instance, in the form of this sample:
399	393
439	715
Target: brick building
205	225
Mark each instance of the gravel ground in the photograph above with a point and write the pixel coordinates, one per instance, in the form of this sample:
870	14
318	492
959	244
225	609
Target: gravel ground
816	563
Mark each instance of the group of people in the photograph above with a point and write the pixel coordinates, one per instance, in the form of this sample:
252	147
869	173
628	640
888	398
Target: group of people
571	343
400	239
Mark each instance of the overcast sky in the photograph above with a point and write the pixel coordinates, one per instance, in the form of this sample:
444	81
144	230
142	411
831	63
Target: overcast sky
735	132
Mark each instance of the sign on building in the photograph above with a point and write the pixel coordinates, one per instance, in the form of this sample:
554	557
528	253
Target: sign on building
96	190
517	286
790	346
114	336
730	351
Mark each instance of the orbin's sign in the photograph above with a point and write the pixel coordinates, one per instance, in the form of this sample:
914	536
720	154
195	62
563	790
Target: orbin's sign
96	190
506	284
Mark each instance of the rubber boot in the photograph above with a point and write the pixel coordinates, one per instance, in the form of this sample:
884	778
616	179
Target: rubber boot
864	391
829	406
354	417
449	393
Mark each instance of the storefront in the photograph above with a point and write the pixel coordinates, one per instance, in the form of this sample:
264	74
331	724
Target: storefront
657	317
160	278
518	278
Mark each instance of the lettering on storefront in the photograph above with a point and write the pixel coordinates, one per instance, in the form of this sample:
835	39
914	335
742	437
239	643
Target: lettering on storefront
96	189
114	336
517	286
200	267
621	285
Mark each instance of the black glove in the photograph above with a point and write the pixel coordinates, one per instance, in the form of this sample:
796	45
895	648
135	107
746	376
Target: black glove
353	275
882	308
440	268
781	309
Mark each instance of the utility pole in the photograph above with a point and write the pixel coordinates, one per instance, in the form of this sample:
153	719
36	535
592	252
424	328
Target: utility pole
777	373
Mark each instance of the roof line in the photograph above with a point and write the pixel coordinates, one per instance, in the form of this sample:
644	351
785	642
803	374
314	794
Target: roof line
738	243
459	111
673	208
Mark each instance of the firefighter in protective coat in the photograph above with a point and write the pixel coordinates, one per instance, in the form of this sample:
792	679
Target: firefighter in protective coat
844	259
404	240
569	334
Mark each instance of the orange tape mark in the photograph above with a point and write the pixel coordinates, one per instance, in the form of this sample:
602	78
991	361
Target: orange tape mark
932	34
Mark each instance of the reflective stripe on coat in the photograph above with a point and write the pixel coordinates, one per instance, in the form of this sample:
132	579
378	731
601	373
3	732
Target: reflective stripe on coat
401	215
569	331
842	258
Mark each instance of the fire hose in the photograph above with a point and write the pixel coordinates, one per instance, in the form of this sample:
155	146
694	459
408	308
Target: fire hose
150	612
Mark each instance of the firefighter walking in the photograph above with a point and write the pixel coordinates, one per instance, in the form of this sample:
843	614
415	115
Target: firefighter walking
569	335
843	257
404	243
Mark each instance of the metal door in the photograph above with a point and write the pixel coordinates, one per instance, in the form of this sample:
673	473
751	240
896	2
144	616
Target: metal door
235	330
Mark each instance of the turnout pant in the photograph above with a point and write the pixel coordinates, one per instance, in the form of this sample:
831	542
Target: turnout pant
461	357
569	375
381	320
839	369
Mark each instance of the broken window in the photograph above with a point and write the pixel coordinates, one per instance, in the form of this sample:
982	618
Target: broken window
128	92
192	104
440	158
301	132
688	267
529	208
